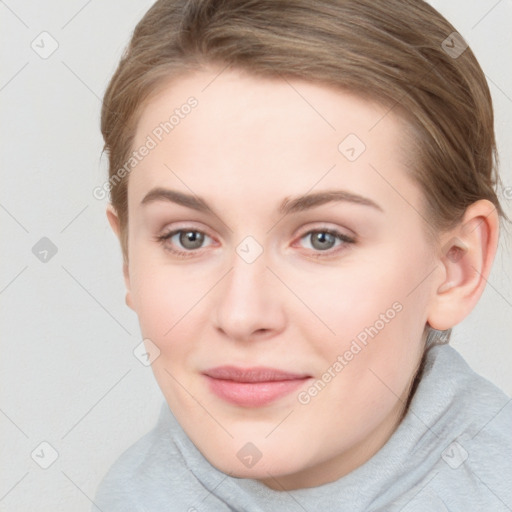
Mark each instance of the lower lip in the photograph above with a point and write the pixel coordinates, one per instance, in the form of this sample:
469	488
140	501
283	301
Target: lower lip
252	394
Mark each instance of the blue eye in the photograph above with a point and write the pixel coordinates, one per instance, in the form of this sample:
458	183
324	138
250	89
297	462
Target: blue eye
189	239
322	240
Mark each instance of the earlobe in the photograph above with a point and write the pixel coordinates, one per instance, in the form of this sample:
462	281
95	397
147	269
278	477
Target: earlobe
128	300
113	220
466	259
126	275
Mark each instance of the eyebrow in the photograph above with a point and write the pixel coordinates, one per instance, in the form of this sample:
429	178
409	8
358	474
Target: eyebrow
289	205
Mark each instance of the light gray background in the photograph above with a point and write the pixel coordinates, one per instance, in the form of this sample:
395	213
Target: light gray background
69	376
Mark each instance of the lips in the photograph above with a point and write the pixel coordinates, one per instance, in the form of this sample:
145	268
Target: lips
255	374
252	387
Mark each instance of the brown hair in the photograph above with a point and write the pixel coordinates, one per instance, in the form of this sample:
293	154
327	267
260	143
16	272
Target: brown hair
396	52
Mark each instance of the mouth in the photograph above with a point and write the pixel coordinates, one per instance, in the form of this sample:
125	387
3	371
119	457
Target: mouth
252	387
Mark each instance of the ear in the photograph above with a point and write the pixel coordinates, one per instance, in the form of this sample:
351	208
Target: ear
466	257
113	220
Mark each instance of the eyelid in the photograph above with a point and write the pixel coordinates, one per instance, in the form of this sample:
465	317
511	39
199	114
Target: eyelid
184	227
329	229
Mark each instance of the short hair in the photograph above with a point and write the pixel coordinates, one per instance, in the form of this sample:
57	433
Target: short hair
401	53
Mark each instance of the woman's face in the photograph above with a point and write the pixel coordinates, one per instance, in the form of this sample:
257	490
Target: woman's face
271	274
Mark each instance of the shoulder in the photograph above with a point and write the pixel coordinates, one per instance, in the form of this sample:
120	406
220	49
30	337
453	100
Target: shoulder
473	434
472	404
150	476
120	487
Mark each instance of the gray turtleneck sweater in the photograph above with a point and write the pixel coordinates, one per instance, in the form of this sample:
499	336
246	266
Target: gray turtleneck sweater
451	452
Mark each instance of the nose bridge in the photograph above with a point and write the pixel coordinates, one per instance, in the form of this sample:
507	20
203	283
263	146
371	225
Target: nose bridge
247	302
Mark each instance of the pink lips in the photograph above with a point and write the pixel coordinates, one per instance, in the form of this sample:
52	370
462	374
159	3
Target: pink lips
252	387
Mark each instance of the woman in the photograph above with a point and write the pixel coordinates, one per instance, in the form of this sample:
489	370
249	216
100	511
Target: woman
304	194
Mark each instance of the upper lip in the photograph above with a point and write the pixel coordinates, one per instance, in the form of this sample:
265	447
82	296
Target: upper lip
253	374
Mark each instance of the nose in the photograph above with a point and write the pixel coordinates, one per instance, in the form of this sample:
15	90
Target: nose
249	305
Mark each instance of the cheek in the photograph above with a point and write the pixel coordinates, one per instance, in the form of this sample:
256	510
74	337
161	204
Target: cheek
377	312
354	297
163	297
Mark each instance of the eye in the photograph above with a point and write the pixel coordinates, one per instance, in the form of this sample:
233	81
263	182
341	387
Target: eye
188	238
191	240
323	240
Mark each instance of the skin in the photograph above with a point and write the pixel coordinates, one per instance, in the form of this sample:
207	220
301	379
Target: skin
249	144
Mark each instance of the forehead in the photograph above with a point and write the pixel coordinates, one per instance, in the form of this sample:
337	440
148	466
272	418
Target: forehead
249	135
231	102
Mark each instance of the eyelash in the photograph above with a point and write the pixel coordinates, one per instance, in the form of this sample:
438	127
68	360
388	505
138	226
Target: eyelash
162	239
345	239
